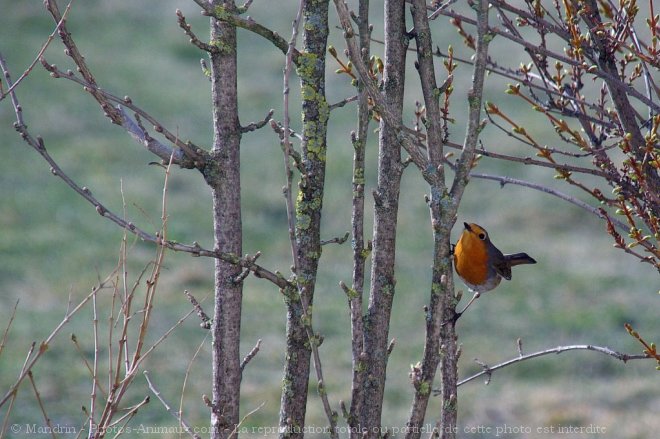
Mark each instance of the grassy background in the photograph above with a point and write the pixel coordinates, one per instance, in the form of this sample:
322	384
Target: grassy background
53	245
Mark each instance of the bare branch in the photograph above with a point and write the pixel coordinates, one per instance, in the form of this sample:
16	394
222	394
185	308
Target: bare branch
41	404
434	119
256	125
5	422
650	349
488	370
250	413
181	19
190	365
475	96
430	90
131	411
31	360
95	370
337	240
194	249
343	102
288	189
12	87
503	180
170	410
74	340
73	52
248	24
251	354
206	320
138	360
526	80
243	9
195	156
295	155
6	332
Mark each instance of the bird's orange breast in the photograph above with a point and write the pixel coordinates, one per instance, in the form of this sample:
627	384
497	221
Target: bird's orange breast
471	259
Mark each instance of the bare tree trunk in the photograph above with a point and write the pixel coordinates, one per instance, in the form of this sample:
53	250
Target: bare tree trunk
449	351
440	343
376	328
311	70
356	294
223	175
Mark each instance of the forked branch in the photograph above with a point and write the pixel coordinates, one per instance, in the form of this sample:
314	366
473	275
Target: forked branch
195	249
488	370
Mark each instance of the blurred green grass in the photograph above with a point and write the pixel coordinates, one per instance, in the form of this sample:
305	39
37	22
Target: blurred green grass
53	245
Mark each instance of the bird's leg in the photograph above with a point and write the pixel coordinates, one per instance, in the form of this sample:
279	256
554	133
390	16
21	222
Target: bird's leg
477	294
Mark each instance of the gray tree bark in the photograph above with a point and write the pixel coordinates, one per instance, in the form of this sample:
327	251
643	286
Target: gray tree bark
222	173
386	205
310	67
356	293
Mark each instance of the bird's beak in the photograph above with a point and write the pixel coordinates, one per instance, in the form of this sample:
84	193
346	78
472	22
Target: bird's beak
467	227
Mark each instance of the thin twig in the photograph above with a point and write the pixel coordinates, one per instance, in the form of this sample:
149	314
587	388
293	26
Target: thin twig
95	326
251	355
503	180
295	155
257	125
650	349
243	9
31	360
128	416
6	333
162	338
90	369
136	356
234	434
206	320
440	8
74	53
488	370
337	239
475	97
198	155
181	19
170	410
5	422
27	71
288	189
527	81
41	405
152	283
534	162
343	102
187	374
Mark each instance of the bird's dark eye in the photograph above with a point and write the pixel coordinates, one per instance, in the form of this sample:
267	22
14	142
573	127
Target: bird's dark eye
482	236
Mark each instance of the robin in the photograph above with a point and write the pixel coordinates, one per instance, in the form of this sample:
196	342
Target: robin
480	264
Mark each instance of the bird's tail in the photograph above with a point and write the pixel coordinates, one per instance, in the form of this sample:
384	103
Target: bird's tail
519	259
